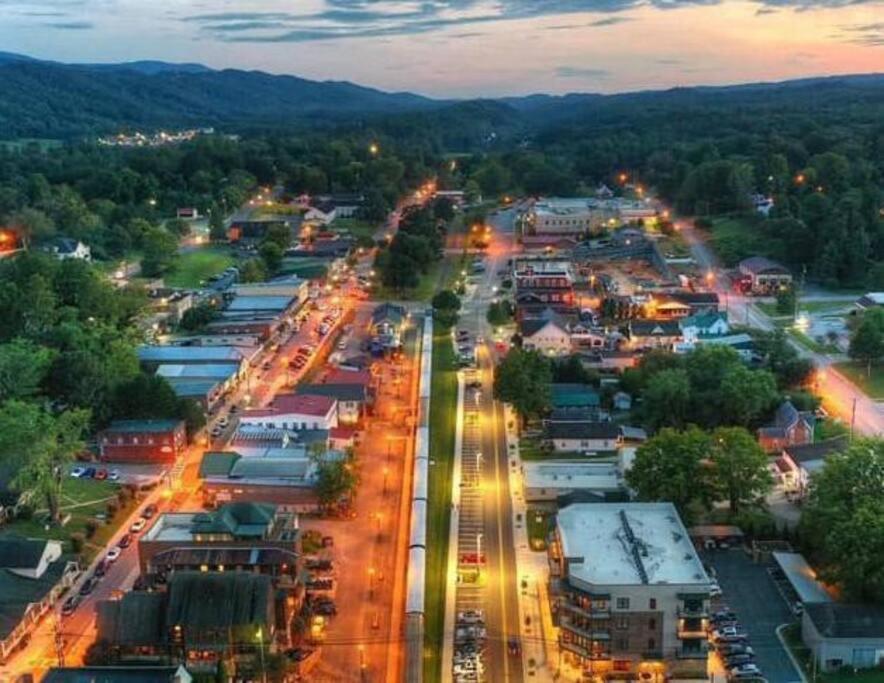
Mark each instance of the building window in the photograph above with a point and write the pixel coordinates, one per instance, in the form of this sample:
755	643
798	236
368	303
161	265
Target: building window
622	603
652	644
652	603
622	644
622	623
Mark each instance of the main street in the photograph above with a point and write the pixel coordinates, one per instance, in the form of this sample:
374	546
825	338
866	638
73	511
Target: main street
840	396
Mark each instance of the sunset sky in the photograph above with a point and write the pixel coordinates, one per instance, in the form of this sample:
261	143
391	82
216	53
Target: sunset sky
465	48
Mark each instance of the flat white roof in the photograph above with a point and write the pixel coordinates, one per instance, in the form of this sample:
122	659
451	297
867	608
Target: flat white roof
565	206
171	526
802	577
596	476
628	544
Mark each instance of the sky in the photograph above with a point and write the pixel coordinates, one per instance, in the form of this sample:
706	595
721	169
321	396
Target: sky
467	48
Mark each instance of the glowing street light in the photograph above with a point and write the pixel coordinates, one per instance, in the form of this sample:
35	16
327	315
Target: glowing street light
374	149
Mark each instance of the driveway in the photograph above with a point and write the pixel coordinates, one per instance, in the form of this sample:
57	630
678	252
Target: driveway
751	593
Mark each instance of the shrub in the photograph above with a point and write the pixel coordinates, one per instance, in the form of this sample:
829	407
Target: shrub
112	508
91	527
77	542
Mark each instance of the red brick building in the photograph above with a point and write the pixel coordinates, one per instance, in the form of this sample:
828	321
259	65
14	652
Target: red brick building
142	441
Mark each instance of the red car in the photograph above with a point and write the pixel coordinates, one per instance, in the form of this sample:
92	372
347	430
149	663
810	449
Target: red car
101	474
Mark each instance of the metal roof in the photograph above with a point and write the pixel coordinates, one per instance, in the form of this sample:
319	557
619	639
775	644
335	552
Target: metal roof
802	577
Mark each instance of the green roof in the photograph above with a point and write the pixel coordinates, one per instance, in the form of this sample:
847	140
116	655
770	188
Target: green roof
240	520
703	320
135	619
213	600
572	395
21	553
217	464
17	592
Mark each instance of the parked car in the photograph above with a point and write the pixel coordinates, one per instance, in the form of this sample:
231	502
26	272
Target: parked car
471	616
101	474
113	475
125	541
113	554
101	568
70	605
737	659
726	649
89	473
149	511
78	472
138	525
88	586
746	668
725	638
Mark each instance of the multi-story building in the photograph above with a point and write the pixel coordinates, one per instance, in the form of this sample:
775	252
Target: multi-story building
627	588
142	441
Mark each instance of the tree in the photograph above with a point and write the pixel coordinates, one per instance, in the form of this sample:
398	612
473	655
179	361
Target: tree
500	313
198	317
40	446
446	305
572	369
335	480
523	379
666	400
843	520
867	342
271	253
178	226
739	468
746	395
669	467
279	234
217	229
253	270
23	367
787	300
159	249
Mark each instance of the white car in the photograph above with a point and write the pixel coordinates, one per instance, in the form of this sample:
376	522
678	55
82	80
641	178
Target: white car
113	554
78	472
138	525
113	475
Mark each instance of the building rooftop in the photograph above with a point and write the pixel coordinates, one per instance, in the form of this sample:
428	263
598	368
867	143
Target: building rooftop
816	451
628	544
573	395
296	404
185	388
761	264
344	376
802	577
118	674
239	520
17	592
211	371
583	430
190	354
843	620
259	303
592	476
341	392
21	553
143	426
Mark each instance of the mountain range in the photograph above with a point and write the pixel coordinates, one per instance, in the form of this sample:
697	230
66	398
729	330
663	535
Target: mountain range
46	99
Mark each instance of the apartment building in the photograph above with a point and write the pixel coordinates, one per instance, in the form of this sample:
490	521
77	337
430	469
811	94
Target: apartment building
627	589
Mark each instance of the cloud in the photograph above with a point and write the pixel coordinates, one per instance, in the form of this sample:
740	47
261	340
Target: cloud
609	21
867	35
348	19
582	73
761	11
70	25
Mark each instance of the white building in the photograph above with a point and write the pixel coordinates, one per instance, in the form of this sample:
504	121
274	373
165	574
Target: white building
546	481
627	588
295	411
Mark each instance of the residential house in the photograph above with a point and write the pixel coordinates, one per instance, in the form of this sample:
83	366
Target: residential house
187	213
321	213
844	635
64	248
139	673
34	574
870	300
584	437
698	302
575	395
760	275
790	427
142	441
295	411
666	308
548	335
797	463
653	334
627	590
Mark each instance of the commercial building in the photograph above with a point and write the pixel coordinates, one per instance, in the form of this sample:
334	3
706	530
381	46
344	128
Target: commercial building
654	334
34	573
118	674
584	437
244	537
549	481
844	635
627	588
151	357
352	399
225	375
295	411
142	441
760	275
579	215
387	323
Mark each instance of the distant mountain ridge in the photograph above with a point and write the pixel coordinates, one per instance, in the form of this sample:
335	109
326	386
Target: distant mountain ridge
47	99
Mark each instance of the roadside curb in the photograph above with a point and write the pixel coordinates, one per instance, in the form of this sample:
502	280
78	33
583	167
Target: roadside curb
779	631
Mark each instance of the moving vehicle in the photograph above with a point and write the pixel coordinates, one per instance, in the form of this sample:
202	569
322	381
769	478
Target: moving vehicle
513	646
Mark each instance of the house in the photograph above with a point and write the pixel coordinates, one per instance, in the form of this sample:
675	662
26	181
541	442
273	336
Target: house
205	392
252	231
844	635
243	536
653	334
699	302
790	427
627	590
548	334
698	328
387	323
797	463
870	300
194	620
622	401
64	248
762	204
323	213
142	441
574	395
151	357
295	411
34	574
118	674
352	399
584	437
760	275
667	308
187	213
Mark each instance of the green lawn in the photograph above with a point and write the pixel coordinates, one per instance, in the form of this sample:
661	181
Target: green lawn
792	636
426	287
735	238
355	226
770	308
856	372
83	499
196	266
538	526
443	414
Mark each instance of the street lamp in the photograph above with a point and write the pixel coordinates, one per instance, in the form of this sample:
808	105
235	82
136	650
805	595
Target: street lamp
260	635
371	582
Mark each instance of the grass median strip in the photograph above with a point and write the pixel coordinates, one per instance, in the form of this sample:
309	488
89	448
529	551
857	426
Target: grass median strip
443	414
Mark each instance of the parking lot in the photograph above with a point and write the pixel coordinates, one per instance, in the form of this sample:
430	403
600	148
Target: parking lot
749	590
